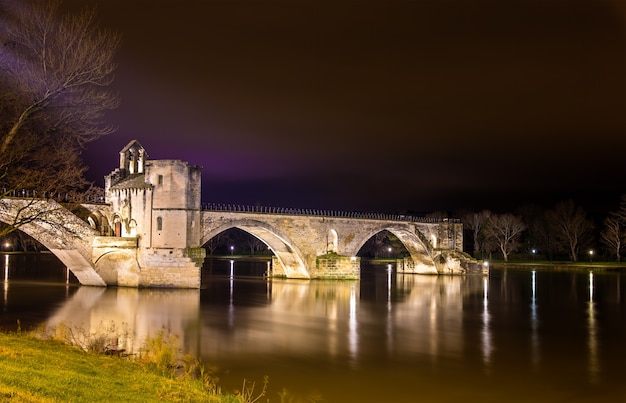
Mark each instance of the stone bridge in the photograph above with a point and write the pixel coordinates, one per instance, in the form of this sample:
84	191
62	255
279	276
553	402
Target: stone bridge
307	244
325	244
150	230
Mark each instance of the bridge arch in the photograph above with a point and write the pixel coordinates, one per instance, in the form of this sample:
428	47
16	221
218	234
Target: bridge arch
99	222
287	254
119	266
64	234
409	236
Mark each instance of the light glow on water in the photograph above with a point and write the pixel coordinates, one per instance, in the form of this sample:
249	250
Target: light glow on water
534	321
353	334
486	341
593	345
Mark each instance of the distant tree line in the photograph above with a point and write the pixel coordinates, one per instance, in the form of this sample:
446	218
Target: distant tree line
563	232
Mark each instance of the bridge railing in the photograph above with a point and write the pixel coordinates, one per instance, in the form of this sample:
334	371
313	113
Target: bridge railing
235	208
57	196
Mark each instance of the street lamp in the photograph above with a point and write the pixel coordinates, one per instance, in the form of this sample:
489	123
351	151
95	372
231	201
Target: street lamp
232	248
591	255
534	251
389	251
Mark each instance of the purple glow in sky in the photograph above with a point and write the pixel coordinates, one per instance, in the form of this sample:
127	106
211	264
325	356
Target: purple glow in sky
376	105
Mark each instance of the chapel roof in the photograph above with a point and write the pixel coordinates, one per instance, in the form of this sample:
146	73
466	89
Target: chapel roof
133	181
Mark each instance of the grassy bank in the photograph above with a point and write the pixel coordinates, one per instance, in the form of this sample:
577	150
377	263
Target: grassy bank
559	266
35	370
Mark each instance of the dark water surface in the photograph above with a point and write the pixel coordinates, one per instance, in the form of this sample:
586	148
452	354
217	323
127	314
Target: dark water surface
514	336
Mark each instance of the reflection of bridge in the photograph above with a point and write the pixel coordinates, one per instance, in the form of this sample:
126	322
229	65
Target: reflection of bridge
427	320
152	227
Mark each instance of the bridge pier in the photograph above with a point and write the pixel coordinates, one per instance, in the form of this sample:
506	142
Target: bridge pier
334	266
328	266
120	262
171	267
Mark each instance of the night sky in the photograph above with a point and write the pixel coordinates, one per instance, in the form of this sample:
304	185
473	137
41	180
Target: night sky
381	105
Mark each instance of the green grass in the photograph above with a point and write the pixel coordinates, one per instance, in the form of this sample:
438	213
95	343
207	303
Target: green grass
35	370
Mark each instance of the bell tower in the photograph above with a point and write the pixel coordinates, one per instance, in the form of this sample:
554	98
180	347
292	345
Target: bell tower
133	158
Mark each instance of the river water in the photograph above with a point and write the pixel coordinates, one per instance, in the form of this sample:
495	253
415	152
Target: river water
515	335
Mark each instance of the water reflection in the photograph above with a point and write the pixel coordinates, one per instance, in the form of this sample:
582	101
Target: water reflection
377	339
130	316
485	333
594	366
320	317
534	320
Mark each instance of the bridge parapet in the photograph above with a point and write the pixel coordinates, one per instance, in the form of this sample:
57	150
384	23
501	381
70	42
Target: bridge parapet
234	208
61	197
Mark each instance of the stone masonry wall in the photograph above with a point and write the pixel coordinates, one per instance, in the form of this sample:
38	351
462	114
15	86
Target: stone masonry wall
333	266
169	268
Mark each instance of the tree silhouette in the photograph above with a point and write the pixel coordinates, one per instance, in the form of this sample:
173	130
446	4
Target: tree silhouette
55	75
571	227
505	230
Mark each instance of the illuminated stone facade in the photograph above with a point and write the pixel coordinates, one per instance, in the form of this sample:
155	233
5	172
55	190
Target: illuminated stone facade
156	203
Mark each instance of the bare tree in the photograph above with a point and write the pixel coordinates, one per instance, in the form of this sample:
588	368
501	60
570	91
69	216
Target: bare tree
55	74
613	235
58	69
214	243
255	244
620	214
505	230
475	222
571	227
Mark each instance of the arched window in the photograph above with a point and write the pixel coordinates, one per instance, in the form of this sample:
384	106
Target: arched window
331	241
132	228
159	224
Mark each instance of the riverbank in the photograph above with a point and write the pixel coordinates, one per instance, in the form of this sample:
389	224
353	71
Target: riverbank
559	266
35	370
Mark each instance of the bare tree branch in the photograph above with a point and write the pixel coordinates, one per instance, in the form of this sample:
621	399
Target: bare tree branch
505	230
571	227
56	69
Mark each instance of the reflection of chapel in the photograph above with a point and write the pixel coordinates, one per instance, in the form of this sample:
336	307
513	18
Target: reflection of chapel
155	200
